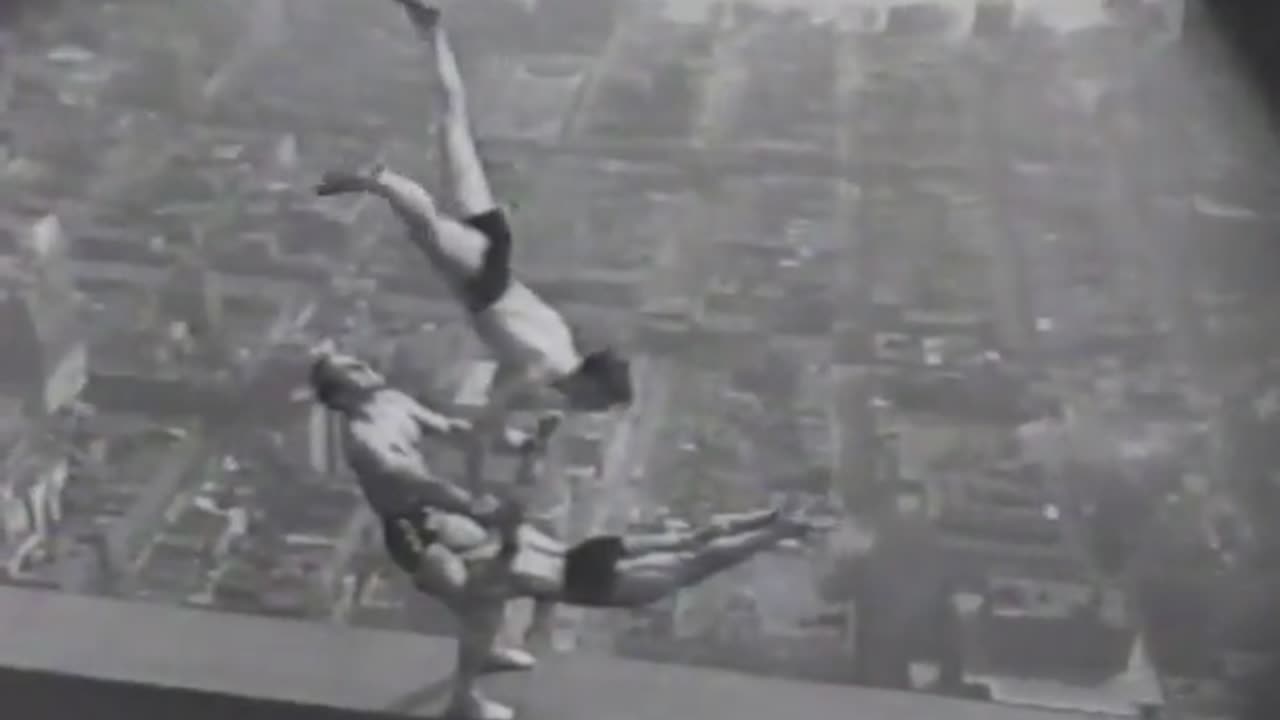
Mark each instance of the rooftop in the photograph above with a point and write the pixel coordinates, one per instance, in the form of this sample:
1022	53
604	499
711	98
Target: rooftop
369	670
200	555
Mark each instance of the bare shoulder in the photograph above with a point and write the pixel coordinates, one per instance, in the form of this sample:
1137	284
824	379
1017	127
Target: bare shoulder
393	400
387	417
387	404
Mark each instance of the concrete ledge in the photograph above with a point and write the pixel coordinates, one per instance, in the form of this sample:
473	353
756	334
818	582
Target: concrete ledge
41	696
64	651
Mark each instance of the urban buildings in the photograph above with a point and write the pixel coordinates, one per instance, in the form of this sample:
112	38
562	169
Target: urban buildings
884	259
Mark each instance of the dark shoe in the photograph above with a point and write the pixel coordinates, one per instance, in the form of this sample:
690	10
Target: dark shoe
341	182
424	16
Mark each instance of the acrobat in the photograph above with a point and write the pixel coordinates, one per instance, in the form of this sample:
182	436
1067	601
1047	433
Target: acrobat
475	552
535	346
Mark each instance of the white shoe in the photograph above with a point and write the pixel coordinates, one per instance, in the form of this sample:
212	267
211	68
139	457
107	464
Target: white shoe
478	707
510	659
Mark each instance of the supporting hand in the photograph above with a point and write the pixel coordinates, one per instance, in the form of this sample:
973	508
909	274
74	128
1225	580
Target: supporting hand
548	423
536	443
506	520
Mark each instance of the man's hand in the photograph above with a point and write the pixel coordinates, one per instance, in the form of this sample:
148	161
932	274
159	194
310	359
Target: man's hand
458	428
532	442
508	516
536	442
485	507
500	513
548	423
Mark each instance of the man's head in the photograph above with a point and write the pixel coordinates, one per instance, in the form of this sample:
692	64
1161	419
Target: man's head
601	382
340	382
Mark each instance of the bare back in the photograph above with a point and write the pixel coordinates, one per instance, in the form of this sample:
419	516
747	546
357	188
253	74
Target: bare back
527	334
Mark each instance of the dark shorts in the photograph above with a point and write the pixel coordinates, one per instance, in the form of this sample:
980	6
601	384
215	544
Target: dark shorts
493	278
407	537
408	534
591	570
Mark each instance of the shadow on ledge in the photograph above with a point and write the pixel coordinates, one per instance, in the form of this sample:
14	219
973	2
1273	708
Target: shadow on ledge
37	695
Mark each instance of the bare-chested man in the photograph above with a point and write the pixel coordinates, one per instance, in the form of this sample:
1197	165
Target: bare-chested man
383	429
535	347
474	552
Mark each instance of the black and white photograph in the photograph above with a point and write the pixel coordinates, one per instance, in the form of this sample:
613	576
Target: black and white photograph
638	360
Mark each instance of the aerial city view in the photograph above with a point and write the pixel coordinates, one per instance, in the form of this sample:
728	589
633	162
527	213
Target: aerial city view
981	284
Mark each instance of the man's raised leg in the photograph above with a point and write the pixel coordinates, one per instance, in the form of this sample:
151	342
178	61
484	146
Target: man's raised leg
463	173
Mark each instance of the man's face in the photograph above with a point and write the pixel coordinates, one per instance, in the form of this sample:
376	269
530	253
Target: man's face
358	372
353	373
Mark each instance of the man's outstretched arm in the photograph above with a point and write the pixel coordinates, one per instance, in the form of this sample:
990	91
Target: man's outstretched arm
449	497
510	439
440	425
490	425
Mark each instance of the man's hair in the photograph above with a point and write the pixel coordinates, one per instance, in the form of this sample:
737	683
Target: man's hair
611	371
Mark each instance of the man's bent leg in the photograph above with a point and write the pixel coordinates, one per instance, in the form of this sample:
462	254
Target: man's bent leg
443	575
463	172
538	634
478	628
456	249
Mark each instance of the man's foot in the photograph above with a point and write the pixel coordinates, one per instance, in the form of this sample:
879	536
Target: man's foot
802	525
509	660
732	523
806	528
343	182
422	14
478	707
